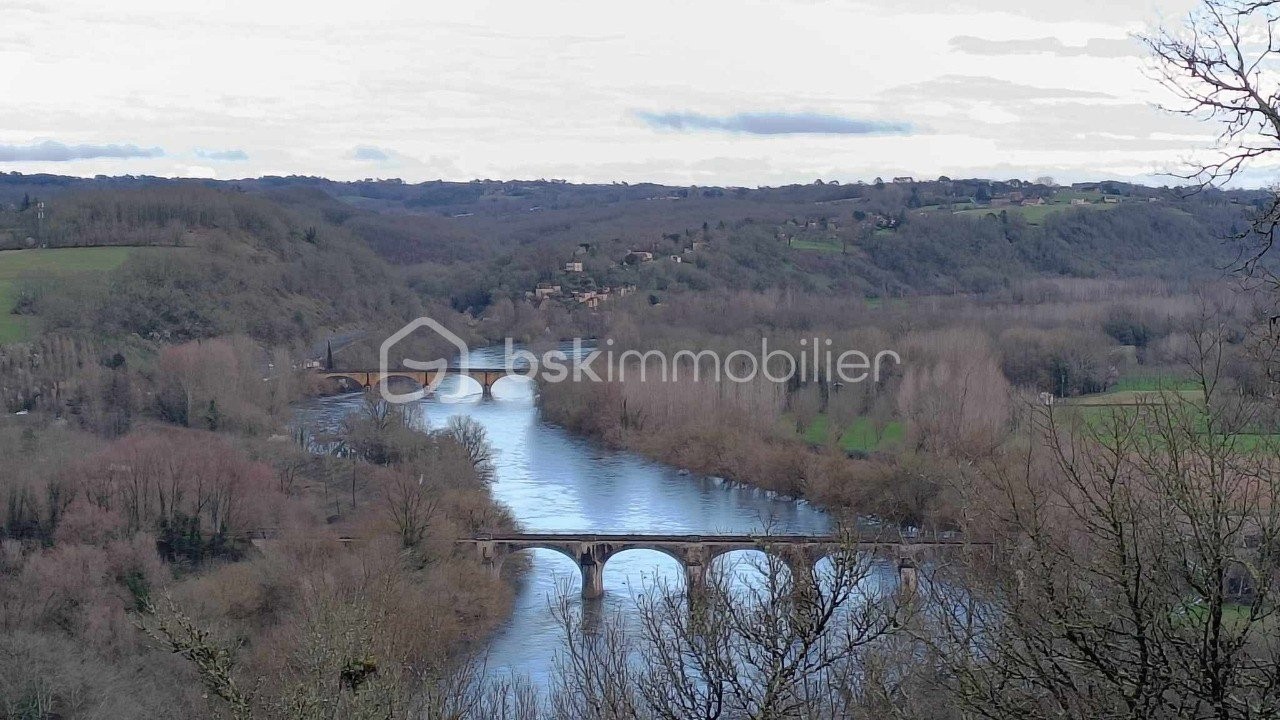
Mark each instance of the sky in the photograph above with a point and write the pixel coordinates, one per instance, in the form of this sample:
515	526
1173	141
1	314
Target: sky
709	92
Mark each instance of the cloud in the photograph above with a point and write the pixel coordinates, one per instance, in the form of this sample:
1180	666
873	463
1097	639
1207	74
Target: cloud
223	155
773	123
987	89
1093	47
374	154
50	151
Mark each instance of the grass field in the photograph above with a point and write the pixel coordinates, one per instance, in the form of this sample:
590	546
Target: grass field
860	436
16	265
1035	214
820	245
1100	410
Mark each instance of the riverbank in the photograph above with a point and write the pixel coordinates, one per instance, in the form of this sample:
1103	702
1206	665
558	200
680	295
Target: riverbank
552	480
732	443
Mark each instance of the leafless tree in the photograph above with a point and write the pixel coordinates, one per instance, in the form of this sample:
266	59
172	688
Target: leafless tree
411	505
786	644
474	440
1221	64
1139	578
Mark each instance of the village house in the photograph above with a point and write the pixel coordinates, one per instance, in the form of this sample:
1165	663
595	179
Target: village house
590	298
676	258
1079	201
904	179
573	267
546	290
637	256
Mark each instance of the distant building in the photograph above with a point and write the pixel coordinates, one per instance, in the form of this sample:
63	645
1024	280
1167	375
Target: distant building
582	249
676	258
637	256
904	179
1110	199
573	267
1079	201
546	290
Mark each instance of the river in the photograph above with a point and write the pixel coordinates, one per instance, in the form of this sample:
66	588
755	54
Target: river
554	481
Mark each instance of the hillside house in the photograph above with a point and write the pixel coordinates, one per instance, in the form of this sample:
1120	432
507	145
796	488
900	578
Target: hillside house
583	249
573	267
546	290
676	258
1079	201
904	179
637	256
590	298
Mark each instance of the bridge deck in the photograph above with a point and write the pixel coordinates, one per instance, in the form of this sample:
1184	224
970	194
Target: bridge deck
866	538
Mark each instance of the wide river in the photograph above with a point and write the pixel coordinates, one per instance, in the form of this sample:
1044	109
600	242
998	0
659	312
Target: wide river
553	481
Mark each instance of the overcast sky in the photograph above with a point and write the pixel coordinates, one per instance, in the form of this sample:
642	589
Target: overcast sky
706	92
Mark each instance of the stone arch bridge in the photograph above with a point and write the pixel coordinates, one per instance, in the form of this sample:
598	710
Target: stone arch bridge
800	553
370	379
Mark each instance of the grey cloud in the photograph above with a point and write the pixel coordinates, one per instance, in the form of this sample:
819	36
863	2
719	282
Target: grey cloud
969	87
1114	12
1093	47
223	155
50	151
365	152
773	123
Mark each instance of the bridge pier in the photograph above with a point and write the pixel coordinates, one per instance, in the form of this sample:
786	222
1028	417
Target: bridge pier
695	579
908	576
592	578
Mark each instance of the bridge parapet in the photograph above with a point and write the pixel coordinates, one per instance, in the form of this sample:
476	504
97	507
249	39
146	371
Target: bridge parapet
369	379
695	553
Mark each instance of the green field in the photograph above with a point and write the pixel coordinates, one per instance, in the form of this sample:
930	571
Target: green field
1100	410
822	245
17	265
1035	214
860	436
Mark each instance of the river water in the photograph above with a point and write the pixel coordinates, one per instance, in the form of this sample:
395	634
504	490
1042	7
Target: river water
554	481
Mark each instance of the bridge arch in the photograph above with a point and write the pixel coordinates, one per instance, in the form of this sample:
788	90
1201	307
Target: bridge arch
661	565
348	381
503	552
512	385
458	387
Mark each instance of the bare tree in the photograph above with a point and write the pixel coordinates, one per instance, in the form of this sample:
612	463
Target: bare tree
1222	65
1140	576
411	505
789	645
474	440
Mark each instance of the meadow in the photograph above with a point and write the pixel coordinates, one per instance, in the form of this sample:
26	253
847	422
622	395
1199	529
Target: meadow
17	266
